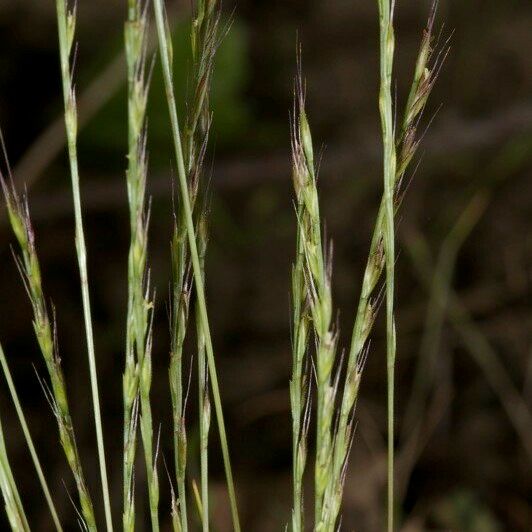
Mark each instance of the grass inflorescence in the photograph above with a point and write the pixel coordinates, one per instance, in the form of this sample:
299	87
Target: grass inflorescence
311	288
138	372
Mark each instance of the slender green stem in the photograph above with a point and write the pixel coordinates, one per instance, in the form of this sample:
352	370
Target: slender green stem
195	135
425	72
29	440
13	504
196	266
389	160
66	26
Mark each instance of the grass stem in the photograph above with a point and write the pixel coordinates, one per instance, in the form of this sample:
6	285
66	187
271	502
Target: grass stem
389	160
29	440
66	30
13	504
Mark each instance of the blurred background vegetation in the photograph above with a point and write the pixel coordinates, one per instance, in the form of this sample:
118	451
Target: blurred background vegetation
464	268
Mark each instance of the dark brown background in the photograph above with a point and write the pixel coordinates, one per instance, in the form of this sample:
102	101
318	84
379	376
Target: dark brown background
471	472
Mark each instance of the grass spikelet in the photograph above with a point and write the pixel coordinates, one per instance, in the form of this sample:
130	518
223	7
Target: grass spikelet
146	428
204	42
204	402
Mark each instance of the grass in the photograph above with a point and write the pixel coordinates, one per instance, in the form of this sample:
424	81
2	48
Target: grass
13	504
29	440
317	286
137	371
387	49
311	281
320	374
165	51
66	24
197	124
44	328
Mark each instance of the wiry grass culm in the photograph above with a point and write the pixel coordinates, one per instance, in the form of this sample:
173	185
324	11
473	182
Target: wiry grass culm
204	43
12	502
398	151
313	269
44	327
387	46
66	24
186	205
29	440
138	372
